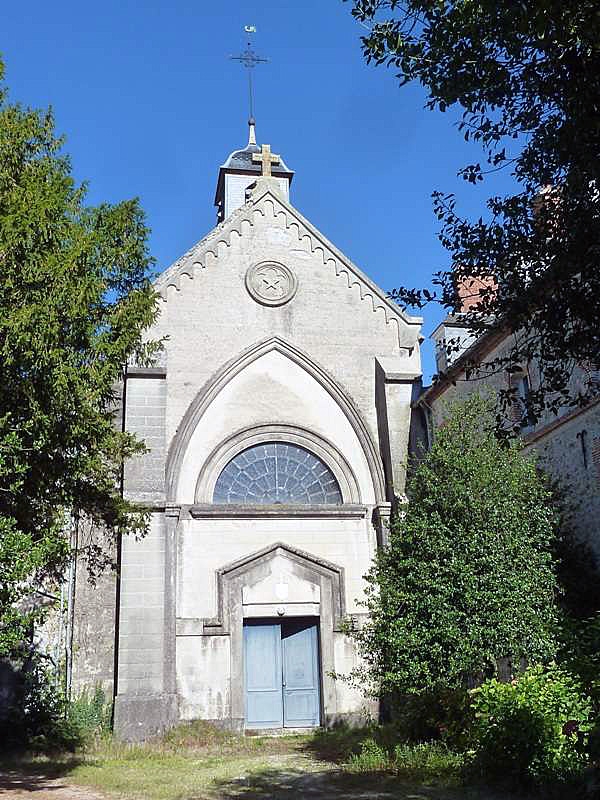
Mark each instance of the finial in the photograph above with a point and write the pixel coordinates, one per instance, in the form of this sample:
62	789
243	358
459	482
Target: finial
249	59
251	131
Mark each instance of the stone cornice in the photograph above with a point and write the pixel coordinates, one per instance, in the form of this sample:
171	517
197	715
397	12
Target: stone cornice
535	435
146	372
216	511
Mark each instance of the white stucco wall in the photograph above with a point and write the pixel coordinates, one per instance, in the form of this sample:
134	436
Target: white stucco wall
207	545
235	190
203	677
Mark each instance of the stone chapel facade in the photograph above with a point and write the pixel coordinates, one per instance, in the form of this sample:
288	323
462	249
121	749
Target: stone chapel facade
277	424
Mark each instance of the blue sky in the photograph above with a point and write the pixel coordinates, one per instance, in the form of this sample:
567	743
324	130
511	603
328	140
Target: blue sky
151	105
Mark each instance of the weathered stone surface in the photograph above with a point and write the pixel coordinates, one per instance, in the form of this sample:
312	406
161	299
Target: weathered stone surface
309	352
138	716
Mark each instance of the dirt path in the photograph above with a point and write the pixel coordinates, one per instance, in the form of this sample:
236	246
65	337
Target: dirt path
15	785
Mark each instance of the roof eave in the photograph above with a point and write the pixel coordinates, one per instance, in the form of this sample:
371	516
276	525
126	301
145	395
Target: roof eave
480	346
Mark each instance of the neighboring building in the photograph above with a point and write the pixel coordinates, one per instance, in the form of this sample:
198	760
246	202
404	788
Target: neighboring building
277	424
567	445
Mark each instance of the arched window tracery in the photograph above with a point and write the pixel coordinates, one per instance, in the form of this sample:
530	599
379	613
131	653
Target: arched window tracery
277	472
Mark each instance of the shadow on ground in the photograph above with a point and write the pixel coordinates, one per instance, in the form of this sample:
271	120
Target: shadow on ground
336	744
330	785
34	775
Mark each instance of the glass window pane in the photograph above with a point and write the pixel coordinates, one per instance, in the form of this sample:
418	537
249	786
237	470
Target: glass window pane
276	472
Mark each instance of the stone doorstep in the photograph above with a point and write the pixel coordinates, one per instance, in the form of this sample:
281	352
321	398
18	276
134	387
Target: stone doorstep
274	732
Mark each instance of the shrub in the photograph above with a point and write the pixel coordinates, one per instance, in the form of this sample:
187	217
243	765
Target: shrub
579	651
372	758
35	718
444	715
468	578
580	654
532	731
89	716
38	719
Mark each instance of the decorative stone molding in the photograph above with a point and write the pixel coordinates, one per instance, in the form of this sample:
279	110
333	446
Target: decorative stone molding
271	283
146	372
381	521
226	511
261	434
227	594
265	203
173	511
216	384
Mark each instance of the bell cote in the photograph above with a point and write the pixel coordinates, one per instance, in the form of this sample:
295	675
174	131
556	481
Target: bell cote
242	168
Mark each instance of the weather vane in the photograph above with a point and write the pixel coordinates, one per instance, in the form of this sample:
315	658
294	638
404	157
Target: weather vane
249	59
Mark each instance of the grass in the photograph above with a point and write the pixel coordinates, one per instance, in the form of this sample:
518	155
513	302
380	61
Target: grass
427	763
191	761
376	749
199	762
188	762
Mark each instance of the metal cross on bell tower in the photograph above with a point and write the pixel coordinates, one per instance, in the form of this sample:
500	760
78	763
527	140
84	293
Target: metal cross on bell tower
249	59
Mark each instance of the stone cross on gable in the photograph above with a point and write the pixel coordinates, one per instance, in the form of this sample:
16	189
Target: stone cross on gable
266	158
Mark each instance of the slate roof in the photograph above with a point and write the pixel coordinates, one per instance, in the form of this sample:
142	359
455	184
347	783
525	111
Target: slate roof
242	159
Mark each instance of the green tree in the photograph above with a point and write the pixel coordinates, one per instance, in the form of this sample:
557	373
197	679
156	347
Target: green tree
75	299
468	577
526	78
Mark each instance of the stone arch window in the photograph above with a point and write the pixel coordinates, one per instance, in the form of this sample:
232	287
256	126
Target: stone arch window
277	472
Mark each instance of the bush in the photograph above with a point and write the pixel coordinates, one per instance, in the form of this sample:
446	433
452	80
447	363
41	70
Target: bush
468	579
372	758
429	762
444	715
35	718
38	719
579	651
532	731
580	654
89	716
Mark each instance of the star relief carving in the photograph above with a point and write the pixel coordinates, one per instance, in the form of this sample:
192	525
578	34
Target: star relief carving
271	283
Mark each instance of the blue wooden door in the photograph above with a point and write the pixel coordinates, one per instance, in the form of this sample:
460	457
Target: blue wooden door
281	667
300	674
262	659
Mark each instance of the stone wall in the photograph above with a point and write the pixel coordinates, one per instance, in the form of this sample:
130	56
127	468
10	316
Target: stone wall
94	626
336	316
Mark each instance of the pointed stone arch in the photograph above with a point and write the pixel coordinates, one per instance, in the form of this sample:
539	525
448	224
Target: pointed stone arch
215	385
